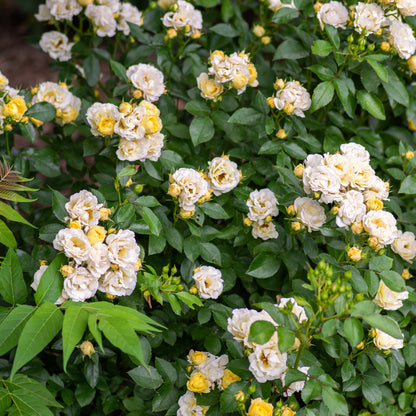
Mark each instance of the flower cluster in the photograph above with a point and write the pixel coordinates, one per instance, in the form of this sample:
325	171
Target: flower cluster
235	71
98	259
184	17
191	186
208	282
262	207
138	126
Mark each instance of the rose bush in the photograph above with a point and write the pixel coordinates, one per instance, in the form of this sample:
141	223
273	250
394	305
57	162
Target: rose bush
220	218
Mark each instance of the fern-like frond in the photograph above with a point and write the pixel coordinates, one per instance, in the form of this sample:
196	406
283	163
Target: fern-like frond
9	179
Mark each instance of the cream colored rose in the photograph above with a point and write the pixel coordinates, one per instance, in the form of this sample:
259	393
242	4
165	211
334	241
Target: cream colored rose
265	231
103	19
63	9
155	145
188	407
56	45
352	209
310	213
385	341
223	175
377	190
275	5
381	224
80	285
213	367
186	16
267	364
368	17
322	179
210	89
147	79
114	5
121	282
54	94
129	125
402	39
241	72
98	261
74	243
228	378
43	14
314	160
84	207
37	276
122	248
405	245
70	112
356	152
389	299
132	149
406	7
102	118
298	310
128	14
333	13
340	164
208	282
262	204
293	98
296	386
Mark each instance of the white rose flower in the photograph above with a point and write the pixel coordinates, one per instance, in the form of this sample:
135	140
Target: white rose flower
119	282
54	94
188	407
102	118
405	245
147	79
155	145
98	260
298	310
129	125
314	160
208	282
369	17
4	82
240	70
128	14
186	14
74	243
122	248
56	45
113	5
43	14
37	276
389	299
361	176
406	7
352	209
223	175
275	5
63	9
267	364
132	149
222	68
297	385
377	190
261	204
385	341
84	207
310	213
381	224
192	187
333	13
322	179
80	285
213	367
103	19
402	38
265	231
356	152
293	98
341	166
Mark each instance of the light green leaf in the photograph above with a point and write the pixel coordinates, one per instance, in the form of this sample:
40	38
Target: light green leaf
119	70
152	221
332	33
408	186
147	377
380	69
381	263
393	280
12	285
197	108
201	130
385	324
42	111
12	215
92	70
127	171
371	103
245	116
365	307
345	96
284	15
334	401
188	299
322	95
6	236
353	331
58	205
214	210
264	265
225	29
321	48
261	332
395	88
286	338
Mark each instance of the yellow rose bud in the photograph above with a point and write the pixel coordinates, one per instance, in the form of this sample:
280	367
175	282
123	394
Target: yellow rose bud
87	348
125	108
138	265
96	234
296	226
171	33
137	94
75	224
63	85
111	231
378	31
34	90
205	197
15	108
104	213
279	84
183	213
247	222
96	92
43	262
220	54
410	154
357	227
268	218
360	346
151	124
116	15
354	253
229	378
316	195
66	270
298	171
265	40
387	186
281	134
198	383
291	210
372	241
35	121
259	31
240	175
196	34
253	73
374	204
187	28
385	46
270	102
110	296
406	274
411	63
8	127
225	157
239	81
193	290
259	407
411	125
174	190
372	332
197	357
25	120
317	6
334	210
85	3
106	126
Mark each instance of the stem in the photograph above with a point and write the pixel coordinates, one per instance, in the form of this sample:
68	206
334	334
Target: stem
7	143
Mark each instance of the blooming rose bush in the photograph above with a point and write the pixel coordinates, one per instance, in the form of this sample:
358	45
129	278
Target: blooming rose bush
220	218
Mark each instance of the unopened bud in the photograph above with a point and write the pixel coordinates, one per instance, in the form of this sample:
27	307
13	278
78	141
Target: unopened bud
125	108
174	190
316	195
183	213
193	290
406	274
247	222
66	270
298	171
43	262
288	108
334	210
354	253
87	348
296	226
385	46
128	183
259	31
75	224
410	154
137	94
239	397
138	189
281	134
270	102
411	63
360	346
317	6
265	40
372	241
110	296
137	265
268	218
196	34
104	213
171	33
291	210
279	84
114	266
35	121
374	204
357	227
411	125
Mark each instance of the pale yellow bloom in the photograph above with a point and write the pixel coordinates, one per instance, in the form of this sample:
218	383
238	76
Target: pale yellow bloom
198	383
87	348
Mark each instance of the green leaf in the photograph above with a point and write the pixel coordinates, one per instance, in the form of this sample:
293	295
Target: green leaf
197	108
381	263
294	150
152	221
322	95
11	327
321	48
84	394
228	403
46	161
174	238
93	328
92	70
6	236
332	33
165	398
261	332
284	15
126	171
147	377
380	69
58	205
395	88
334	401
188	299
324	72
119	70
201	130
12	285
408	186
286	338
12	215
311	390
51	282
73	328
48	232
166	369
264	265
210	253
38	332
290	49
245	116
225	29
365	307
292	376
214	210
371	103
345	95
42	111
393	280
28	131
353	331
385	324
